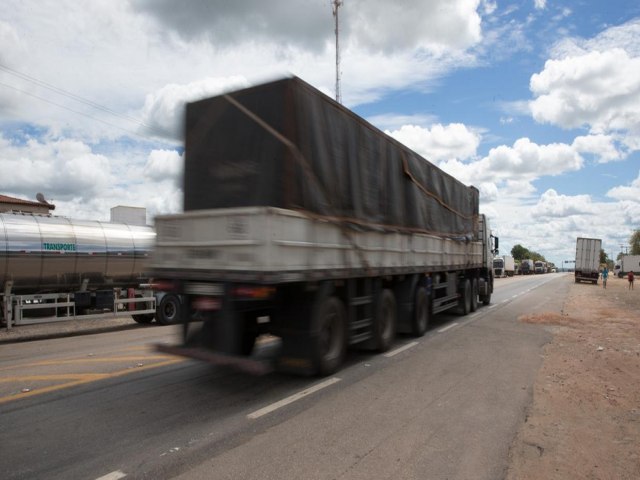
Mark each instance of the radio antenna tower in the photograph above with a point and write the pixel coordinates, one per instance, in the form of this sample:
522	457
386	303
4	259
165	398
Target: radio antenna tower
336	5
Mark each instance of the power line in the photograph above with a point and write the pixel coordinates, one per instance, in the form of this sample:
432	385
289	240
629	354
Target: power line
151	129
69	109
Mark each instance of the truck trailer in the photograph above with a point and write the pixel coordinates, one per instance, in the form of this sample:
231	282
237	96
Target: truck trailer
587	260
55	268
504	266
626	264
304	223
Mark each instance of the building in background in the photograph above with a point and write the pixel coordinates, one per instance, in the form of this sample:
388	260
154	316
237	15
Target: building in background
13	204
129	215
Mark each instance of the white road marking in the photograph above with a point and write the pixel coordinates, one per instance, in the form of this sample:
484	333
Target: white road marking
113	476
292	398
400	349
447	327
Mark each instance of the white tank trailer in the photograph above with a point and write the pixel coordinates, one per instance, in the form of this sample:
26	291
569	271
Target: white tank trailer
54	268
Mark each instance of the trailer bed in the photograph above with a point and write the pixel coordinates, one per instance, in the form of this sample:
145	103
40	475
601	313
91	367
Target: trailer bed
273	245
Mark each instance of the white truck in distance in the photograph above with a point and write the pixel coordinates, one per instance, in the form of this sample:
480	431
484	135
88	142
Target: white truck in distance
626	264
504	266
588	260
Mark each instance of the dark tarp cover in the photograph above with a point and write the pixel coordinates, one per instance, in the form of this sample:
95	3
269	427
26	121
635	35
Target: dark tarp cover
285	144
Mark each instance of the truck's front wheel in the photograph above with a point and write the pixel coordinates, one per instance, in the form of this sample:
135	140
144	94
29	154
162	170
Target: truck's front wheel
384	324
421	313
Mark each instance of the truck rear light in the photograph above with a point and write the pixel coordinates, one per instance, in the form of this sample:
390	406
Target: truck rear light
254	293
206	303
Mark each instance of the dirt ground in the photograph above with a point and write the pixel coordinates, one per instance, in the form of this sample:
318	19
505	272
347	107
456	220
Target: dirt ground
585	419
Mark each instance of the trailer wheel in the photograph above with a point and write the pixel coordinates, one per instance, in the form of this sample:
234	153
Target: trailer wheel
330	346
474	295
464	303
421	313
384	323
168	312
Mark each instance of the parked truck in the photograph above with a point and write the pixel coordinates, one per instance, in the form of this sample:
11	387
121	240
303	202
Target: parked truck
539	267
504	266
304	222
587	260
526	267
54	268
626	264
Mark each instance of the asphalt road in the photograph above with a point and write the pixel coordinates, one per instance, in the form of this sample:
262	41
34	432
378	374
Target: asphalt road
446	405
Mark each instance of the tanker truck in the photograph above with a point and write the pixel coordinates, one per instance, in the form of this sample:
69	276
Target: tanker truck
54	268
306	224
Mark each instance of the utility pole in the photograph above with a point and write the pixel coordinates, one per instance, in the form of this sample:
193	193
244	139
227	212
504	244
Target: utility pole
336	5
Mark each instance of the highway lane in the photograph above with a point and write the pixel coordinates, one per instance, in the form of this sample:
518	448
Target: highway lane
172	419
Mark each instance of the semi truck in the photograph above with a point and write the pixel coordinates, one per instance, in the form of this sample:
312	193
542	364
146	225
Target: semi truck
587	260
526	267
54	268
626	264
503	266
539	267
305	224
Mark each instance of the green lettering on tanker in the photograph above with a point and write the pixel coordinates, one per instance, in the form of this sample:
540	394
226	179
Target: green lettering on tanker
59	247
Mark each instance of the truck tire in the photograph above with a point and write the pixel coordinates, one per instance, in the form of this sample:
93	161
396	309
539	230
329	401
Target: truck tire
168	312
486	299
143	318
464	302
330	345
384	322
474	295
421	313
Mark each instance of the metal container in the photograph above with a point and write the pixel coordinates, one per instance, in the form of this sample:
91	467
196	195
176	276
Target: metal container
45	253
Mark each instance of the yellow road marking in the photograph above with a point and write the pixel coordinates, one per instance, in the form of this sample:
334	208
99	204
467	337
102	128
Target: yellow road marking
87	360
80	379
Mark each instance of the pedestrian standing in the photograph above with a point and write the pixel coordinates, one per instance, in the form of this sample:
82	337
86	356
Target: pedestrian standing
605	275
630	278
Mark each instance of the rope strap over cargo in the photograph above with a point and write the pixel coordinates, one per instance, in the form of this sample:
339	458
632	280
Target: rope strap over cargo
302	161
333	216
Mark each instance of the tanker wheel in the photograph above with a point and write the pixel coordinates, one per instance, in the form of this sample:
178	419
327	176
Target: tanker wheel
384	323
464	302
330	344
169	310
421	313
474	295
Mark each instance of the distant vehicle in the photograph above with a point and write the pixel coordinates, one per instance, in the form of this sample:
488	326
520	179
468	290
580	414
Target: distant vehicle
526	267
55	268
588	260
540	267
626	264
553	270
504	266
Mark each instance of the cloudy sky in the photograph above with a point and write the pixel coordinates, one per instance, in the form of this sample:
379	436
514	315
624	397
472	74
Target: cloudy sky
535	102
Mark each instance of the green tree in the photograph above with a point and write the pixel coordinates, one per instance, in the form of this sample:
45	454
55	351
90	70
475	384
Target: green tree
634	242
603	257
519	253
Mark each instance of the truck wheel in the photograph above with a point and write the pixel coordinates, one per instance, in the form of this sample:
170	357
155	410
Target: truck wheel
330	346
384	323
464	303
486	299
143	318
421	313
168	311
474	295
